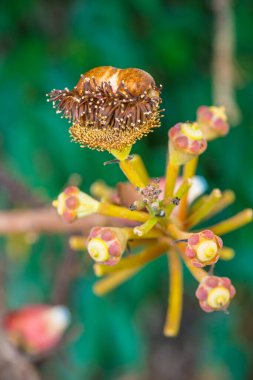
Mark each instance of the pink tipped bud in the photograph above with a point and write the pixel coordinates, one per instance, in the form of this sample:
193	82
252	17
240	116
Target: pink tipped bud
212	121
36	328
203	248
73	204
186	142
106	244
215	293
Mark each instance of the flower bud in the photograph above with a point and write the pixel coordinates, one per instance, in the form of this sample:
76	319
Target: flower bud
36	328
186	142
73	204
215	293
106	244
212	121
203	248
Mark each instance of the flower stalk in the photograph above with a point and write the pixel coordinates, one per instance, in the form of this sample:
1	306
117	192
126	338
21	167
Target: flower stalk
175	298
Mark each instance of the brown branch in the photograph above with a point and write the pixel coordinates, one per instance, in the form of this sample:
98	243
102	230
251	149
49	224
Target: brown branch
46	221
223	67
13	365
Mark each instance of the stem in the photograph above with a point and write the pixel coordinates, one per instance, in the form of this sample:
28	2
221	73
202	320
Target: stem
188	172
227	254
154	233
134	261
77	243
171	177
233	223
122	212
175	298
146	227
176	233
135	171
112	281
205	209
227	198
186	184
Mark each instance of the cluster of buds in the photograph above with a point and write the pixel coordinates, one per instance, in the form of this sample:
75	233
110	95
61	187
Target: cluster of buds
203	248
111	109
36	328
215	293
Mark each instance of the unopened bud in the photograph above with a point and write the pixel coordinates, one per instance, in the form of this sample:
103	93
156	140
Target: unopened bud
215	293
212	121
203	248
36	328
106	244
186	141
73	204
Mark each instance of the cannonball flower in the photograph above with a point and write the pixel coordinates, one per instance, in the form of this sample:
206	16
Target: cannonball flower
186	141
36	328
73	203
212	121
203	248
110	108
215	293
106	244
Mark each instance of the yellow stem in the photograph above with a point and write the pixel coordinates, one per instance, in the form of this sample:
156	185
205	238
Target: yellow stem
146	227
227	254
175	298
186	184
134	261
227	198
170	180
204	210
140	168
188	172
176	233
135	171
154	233
233	223
122	212
77	243
112	281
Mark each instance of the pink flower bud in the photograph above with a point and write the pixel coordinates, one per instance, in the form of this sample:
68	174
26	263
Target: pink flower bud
186	142
212	121
215	293
73	204
36	328
203	248
106	244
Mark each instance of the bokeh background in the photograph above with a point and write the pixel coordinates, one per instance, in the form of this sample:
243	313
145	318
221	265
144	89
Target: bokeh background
48	44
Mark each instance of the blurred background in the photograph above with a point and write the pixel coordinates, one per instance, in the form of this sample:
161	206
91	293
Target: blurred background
47	44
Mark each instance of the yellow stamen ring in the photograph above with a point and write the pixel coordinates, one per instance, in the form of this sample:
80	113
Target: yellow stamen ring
98	250
218	297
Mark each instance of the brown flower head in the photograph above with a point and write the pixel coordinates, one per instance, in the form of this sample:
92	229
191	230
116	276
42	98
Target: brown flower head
110	108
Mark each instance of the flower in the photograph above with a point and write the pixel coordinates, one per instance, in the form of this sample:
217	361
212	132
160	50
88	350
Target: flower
203	248
36	328
106	244
110	108
73	203
186	142
215	293
212	121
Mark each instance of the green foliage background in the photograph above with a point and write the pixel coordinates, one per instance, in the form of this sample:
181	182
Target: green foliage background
48	44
